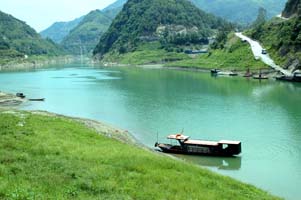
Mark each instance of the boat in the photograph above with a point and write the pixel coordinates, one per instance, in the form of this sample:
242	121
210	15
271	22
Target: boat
200	147
41	99
21	95
260	76
215	71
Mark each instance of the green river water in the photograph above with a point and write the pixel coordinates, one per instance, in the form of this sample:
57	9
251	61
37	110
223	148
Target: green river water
265	116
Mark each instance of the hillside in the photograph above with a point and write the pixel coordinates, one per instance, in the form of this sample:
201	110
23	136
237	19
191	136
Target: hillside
113	9
59	30
52	157
243	12
171	24
85	36
17	39
292	8
282	37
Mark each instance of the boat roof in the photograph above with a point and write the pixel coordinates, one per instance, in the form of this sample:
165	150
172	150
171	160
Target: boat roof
201	142
229	142
178	136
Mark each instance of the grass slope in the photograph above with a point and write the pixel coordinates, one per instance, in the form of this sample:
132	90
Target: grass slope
236	55
44	157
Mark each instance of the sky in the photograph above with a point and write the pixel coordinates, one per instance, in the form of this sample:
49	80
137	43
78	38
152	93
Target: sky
40	14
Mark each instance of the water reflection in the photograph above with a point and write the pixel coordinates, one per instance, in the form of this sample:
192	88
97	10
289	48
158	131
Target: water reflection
220	163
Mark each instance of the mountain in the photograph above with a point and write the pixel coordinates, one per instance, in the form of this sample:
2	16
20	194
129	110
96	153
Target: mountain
18	39
292	8
59	30
84	37
170	22
240	11
282	37
113	9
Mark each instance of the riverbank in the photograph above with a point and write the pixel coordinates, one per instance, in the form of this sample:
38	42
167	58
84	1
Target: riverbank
234	55
9	100
37	62
54	157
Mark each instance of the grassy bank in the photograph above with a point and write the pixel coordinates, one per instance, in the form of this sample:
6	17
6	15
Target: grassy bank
236	55
43	157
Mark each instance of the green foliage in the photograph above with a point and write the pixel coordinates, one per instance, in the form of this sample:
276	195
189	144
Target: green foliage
139	21
85	36
18	39
292	8
57	158
59	30
281	38
233	55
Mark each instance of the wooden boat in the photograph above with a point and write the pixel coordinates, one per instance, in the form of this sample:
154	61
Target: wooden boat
200	147
260	76
41	99
21	95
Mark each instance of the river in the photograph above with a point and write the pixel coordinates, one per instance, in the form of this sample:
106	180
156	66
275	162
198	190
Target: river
265	116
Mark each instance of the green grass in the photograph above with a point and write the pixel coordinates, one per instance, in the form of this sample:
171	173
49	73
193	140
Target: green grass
45	157
235	56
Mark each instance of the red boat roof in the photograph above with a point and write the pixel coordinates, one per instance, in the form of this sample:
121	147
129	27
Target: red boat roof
178	137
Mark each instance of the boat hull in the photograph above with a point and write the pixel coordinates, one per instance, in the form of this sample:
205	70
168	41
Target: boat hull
197	150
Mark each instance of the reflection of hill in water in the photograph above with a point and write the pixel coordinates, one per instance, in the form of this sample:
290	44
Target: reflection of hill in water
221	163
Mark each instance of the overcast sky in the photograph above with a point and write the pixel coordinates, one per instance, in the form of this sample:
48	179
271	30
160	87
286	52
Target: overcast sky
40	14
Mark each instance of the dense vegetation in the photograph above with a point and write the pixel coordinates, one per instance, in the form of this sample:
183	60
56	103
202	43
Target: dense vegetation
57	158
18	39
282	38
85	36
172	22
229	54
292	8
59	30
240	11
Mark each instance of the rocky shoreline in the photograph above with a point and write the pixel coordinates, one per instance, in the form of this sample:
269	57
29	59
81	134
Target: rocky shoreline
10	100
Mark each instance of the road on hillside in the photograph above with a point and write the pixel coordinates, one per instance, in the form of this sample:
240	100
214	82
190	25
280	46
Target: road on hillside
257	51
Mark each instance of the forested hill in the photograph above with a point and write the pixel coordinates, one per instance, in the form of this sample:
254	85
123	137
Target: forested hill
18	39
85	36
282	37
59	30
240	11
167	21
292	8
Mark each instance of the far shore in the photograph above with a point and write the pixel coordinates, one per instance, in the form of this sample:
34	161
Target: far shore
271	73
39	63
